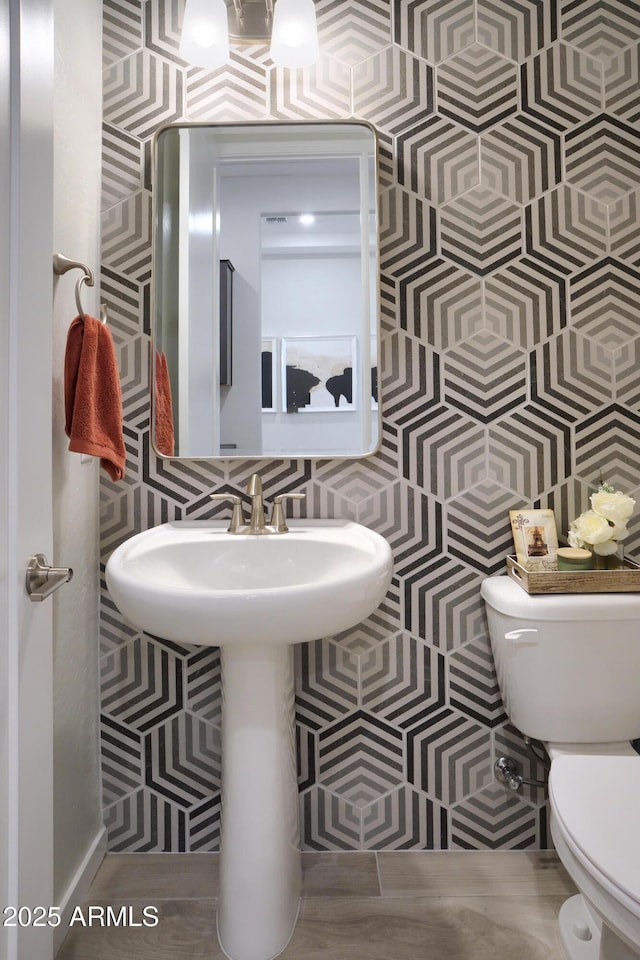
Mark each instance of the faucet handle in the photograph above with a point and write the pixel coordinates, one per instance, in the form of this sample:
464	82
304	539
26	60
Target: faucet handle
278	521
237	516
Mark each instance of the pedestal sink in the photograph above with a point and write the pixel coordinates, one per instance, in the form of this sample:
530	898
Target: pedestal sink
253	596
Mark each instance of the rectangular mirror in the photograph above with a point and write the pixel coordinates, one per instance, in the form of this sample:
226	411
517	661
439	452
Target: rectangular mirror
265	290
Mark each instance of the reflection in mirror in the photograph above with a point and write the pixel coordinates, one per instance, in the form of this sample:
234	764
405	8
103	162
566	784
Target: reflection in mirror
265	320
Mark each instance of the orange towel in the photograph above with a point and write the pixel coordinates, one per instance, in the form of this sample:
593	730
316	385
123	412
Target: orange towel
163	408
92	397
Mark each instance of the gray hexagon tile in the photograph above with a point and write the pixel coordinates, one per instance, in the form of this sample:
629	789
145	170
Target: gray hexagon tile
122	762
142	92
449	756
411	383
322	501
602	158
509	213
626	362
561	87
520	159
600	29
405	819
326	681
411	523
374	629
126	237
622	84
437	159
183	760
237	91
443	452
353	33
163	27
403	680
135	383
441	303
516	30
407	233
478	529
203	684
621	427
121	165
125	301
360	758
142	683
571	375
604	302
313	93
329	822
121	29
484	376
481	231
435	29
473	683
624	236
392	89
530	451
203	825
525	302
442	603
494	818
357	480
477	87
566	230
143	822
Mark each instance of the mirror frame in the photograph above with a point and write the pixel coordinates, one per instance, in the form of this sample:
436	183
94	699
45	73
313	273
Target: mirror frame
153	297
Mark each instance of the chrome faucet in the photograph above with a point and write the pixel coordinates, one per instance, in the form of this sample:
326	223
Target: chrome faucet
256	522
257	525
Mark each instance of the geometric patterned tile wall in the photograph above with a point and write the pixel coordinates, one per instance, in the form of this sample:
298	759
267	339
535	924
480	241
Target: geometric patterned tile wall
510	292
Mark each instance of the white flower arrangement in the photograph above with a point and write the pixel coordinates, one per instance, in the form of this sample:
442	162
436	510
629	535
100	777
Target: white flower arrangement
605	525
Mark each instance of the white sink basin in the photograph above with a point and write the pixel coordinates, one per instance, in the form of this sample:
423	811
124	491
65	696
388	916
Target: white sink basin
193	582
253	596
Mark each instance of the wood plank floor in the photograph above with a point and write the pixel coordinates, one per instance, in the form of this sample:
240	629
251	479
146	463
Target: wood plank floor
355	906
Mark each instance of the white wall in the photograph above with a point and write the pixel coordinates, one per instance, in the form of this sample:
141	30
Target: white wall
241	202
244	200
26	629
289	311
77	119
5	588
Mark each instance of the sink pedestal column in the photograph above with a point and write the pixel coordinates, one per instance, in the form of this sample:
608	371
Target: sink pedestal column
260	860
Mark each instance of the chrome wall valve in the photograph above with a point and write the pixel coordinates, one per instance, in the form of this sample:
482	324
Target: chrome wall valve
42	580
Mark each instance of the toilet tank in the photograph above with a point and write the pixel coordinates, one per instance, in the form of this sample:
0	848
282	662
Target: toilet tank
568	665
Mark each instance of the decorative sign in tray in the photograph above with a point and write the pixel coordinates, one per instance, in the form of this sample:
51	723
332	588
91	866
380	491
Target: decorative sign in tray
625	579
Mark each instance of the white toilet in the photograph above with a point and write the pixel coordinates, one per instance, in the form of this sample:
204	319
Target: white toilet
569	673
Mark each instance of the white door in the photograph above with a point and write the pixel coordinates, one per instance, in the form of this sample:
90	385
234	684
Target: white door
26	216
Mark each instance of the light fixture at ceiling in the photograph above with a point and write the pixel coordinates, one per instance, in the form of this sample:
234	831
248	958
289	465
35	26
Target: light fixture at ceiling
290	25
205	33
294	40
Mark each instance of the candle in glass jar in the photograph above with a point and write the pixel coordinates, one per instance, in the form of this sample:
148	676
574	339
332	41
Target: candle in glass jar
574	558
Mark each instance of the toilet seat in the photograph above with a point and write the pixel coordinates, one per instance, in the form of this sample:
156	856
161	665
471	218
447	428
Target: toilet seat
596	828
596	801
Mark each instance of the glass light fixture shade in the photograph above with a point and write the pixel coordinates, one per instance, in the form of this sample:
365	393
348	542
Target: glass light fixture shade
294	39
205	33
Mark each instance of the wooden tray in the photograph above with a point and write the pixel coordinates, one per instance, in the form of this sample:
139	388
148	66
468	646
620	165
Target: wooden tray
624	580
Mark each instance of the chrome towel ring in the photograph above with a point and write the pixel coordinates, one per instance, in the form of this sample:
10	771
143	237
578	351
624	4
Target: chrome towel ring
62	264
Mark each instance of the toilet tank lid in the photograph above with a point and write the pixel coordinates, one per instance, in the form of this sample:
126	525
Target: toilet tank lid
506	596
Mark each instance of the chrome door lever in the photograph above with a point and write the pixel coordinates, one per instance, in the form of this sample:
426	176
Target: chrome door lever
42	579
